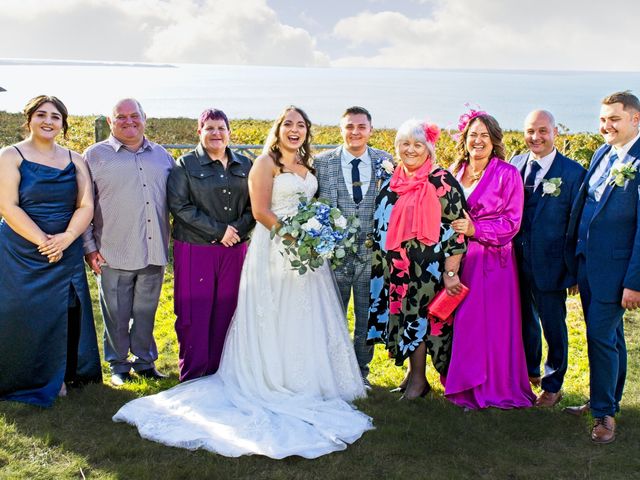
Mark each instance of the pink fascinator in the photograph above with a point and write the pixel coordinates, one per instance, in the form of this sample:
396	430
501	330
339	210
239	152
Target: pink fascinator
465	118
431	132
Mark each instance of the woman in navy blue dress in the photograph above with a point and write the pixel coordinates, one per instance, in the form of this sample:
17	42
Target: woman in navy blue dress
48	338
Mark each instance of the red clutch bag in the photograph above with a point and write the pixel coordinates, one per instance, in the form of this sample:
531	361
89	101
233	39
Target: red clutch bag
443	304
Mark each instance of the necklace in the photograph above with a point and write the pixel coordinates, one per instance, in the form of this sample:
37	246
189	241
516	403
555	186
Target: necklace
473	174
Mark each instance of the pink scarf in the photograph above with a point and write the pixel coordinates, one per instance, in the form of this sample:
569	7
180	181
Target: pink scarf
417	212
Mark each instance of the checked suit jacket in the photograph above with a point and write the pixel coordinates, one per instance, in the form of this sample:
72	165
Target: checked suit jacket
332	186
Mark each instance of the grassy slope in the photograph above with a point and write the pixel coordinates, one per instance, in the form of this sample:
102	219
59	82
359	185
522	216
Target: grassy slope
426	438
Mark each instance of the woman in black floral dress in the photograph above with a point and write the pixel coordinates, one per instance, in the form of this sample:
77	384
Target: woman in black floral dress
415	254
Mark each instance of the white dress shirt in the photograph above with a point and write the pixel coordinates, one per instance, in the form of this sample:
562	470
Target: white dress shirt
545	164
364	168
599	171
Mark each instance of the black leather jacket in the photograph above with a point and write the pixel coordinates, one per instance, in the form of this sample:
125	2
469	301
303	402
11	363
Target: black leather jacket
204	197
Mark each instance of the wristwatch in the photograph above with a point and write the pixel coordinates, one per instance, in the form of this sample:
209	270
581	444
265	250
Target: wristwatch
450	273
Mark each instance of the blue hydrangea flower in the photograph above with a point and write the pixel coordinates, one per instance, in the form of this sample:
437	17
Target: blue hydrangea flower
322	213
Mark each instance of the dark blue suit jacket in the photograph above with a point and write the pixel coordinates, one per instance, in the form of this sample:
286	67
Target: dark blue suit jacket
546	252
613	243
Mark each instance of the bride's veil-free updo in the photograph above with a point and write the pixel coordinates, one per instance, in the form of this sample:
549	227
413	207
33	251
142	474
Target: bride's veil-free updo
272	144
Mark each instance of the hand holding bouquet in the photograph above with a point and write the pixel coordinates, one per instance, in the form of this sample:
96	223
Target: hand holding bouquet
317	232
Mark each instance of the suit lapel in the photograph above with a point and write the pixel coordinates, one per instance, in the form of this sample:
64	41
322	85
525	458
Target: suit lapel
335	165
594	164
554	172
375	158
632	158
520	162
592	169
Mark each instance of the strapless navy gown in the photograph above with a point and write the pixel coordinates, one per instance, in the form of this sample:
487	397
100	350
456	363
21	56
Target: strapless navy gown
47	334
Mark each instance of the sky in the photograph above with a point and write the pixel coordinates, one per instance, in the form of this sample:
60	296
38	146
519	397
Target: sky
466	34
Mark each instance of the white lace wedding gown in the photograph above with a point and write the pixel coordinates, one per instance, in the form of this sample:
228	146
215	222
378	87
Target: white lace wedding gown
288	370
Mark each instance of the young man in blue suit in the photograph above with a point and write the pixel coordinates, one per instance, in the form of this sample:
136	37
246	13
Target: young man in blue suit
552	182
605	228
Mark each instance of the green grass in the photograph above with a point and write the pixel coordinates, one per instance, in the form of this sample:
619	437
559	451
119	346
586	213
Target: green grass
423	439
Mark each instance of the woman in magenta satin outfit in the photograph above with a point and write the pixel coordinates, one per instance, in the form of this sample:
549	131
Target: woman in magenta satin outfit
488	367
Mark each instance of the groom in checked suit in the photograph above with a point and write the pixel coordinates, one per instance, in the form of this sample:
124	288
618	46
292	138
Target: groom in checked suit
539	246
348	177
605	225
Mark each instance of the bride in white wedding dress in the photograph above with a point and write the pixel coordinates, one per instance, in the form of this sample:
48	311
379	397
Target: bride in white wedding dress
288	371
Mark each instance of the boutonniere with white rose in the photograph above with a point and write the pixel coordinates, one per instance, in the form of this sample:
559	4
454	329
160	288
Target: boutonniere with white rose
384	168
621	174
551	186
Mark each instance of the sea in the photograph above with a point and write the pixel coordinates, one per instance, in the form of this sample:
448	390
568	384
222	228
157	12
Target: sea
392	95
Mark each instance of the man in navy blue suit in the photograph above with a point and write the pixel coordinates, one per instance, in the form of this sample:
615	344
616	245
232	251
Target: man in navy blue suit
604	224
552	182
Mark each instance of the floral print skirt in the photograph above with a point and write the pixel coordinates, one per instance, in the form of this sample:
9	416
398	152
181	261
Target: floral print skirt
408	280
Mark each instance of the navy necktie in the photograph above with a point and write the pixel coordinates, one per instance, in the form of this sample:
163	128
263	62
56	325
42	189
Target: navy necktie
355	180
605	174
530	181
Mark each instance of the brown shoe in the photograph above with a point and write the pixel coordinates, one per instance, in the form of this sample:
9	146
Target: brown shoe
578	411
604	430
549	399
535	381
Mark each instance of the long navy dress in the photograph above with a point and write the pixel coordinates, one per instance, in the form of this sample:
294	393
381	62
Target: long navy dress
47	334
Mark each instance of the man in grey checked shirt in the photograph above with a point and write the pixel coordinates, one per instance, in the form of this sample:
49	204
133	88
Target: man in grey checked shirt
127	244
347	177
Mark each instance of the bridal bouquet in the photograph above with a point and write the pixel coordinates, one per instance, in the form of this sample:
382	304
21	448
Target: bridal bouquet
315	234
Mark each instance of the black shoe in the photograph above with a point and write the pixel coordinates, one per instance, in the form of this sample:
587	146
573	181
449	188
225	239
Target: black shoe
427	389
119	379
151	373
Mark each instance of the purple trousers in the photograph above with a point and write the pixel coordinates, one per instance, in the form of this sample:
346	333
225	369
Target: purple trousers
206	283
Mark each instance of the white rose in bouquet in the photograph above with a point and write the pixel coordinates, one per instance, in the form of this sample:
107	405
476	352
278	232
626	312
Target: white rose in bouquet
312	224
341	222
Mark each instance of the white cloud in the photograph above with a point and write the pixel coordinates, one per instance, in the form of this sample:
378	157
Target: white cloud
186	31
547	34
73	29
541	34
